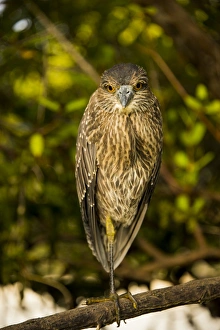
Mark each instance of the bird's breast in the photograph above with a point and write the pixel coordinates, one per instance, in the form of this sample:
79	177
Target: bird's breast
125	157
117	147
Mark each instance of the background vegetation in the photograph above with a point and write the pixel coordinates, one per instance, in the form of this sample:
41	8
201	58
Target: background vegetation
51	55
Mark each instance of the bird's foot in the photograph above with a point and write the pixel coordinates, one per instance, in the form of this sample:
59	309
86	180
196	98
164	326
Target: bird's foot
115	298
112	297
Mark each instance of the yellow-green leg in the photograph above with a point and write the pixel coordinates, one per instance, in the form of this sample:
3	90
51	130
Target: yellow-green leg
110	233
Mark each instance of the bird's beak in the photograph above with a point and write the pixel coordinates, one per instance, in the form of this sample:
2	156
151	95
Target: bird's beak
125	94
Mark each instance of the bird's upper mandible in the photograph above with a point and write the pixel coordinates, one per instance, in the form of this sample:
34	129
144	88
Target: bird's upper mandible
125	94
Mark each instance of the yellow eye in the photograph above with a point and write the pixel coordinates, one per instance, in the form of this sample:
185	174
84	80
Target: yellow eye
110	88
138	86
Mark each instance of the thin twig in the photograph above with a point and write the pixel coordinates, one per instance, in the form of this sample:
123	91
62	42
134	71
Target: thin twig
177	189
150	249
180	89
198	234
64	42
180	260
166	70
52	283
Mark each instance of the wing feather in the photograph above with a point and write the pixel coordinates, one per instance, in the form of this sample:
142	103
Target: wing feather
86	176
86	180
126	235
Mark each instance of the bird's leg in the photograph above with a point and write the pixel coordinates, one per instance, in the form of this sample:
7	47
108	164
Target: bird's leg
110	233
113	296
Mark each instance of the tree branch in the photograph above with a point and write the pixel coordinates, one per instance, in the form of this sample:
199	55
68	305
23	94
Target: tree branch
176	188
180	89
99	315
180	259
64	42
193	42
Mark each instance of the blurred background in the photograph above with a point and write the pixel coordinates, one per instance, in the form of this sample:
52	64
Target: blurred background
51	56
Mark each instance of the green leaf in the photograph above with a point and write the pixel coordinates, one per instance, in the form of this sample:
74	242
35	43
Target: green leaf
181	159
201	92
213	107
39	251
201	15
206	159
76	105
154	31
195	135
183	202
192	102
36	144
198	205
49	104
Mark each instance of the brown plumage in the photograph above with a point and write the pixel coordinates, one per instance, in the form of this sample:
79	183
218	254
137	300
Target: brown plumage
118	157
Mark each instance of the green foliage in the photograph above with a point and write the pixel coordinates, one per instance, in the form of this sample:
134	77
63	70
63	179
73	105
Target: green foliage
43	95
37	144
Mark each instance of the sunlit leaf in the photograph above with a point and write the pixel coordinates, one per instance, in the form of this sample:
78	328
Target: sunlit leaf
154	31
36	144
49	104
198	205
15	124
201	92
204	160
76	105
130	34
213	107
195	135
38	251
183	202
181	159
29	86
192	102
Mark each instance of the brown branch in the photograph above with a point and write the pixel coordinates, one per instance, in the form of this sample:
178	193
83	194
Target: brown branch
176	188
52	283
200	238
150	249
64	42
180	89
181	259
165	69
99	315
195	44
173	184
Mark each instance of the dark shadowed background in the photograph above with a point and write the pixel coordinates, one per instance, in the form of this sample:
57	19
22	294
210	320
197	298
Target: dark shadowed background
51	55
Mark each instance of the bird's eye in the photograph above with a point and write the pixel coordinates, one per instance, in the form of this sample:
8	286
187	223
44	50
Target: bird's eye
138	86
110	88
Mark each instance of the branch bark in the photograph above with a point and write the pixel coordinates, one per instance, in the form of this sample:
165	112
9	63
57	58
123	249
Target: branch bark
64	42
99	315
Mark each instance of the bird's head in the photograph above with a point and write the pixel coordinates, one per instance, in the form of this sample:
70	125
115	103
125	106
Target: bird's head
124	88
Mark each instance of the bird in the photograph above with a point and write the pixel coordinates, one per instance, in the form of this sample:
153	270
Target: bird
118	156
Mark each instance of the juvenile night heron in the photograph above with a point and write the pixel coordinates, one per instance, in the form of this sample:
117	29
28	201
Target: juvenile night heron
118	158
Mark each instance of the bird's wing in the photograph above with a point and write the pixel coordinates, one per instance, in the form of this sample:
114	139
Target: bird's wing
86	175
126	235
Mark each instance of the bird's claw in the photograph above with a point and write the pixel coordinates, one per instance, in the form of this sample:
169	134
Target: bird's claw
115	298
